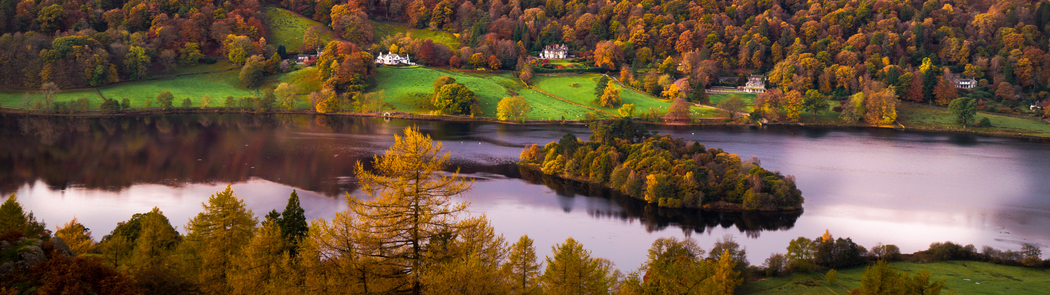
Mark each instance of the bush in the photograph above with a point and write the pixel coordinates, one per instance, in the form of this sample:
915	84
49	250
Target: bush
951	251
885	252
985	122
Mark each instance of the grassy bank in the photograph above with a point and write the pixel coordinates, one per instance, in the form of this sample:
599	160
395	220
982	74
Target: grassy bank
961	277
288	28
923	117
381	30
410	90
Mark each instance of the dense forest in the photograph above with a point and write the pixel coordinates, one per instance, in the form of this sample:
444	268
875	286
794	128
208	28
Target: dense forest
665	171
886	50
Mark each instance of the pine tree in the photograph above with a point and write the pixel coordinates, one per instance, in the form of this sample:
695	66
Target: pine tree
217	235
411	206
293	223
12	217
523	267
77	237
573	271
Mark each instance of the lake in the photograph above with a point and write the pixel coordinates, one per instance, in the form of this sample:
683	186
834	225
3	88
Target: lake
872	185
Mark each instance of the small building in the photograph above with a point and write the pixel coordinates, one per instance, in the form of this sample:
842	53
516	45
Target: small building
555	51
755	84
960	82
303	59
391	59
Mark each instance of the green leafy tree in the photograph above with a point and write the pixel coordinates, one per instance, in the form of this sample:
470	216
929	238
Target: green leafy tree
513	108
676	267
187	103
732	105
964	109
599	88
252	71
137	62
165	99
454	99
572	270
218	235
814	101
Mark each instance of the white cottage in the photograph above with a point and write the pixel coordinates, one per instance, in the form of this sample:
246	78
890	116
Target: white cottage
555	51
755	84
391	59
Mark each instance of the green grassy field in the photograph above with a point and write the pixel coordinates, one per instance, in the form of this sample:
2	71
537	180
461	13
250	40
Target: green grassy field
748	98
216	85
923	117
15	98
410	90
382	30
288	28
961	277
580	89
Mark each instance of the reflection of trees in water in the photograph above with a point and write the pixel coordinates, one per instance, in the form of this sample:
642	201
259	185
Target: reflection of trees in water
113	153
656	218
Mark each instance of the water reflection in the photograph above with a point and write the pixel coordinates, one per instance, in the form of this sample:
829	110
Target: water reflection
655	218
874	185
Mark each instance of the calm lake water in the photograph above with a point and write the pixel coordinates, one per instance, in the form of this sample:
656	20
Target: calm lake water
904	188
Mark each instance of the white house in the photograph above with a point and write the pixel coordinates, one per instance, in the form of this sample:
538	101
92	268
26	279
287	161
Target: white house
391	59
555	51
755	84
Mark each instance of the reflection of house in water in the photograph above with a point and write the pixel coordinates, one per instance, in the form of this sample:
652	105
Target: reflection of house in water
755	84
391	59
555	51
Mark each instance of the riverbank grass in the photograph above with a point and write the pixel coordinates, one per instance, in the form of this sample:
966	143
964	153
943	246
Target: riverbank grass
918	116
410	90
961	277
580	89
216	85
288	28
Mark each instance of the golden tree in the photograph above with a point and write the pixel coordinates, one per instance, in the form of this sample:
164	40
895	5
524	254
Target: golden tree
411	208
522	267
77	237
216	236
572	270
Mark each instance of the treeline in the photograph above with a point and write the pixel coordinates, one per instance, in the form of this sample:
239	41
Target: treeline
665	171
408	238
832	47
88	43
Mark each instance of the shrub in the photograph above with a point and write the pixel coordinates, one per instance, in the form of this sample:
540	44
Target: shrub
985	122
951	251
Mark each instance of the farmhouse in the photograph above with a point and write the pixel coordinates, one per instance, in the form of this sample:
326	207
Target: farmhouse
555	51
391	59
755	84
304	58
962	83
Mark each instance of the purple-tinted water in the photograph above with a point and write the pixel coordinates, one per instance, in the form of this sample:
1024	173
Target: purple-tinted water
903	188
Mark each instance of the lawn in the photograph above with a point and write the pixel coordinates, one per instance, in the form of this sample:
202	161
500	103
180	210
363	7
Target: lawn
748	98
580	89
911	115
410	90
216	85
382	30
288	28
961	277
15	98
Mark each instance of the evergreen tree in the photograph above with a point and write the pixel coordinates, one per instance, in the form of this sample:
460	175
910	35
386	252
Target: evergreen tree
217	235
410	209
12	217
523	267
293	223
573	271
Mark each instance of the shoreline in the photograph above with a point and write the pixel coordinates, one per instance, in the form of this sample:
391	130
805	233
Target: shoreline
448	118
720	206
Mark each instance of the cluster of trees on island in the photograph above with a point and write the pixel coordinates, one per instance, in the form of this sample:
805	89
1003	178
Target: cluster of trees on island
410	237
665	171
